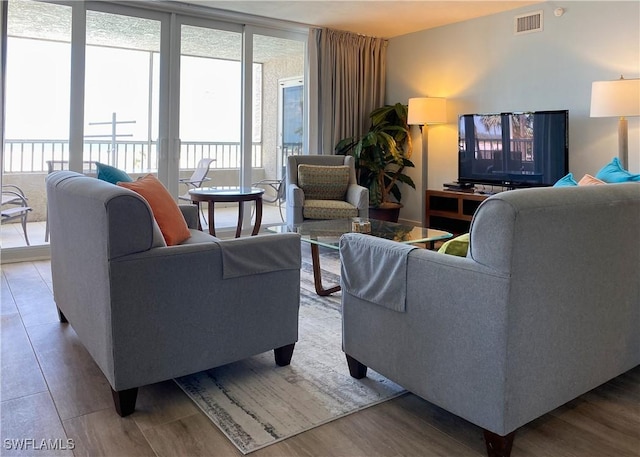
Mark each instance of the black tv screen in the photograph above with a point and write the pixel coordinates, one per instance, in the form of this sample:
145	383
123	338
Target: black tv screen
513	149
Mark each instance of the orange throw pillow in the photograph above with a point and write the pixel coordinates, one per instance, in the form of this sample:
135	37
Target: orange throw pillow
165	210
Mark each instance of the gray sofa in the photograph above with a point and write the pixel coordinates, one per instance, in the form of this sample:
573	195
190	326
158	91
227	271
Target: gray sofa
148	312
544	307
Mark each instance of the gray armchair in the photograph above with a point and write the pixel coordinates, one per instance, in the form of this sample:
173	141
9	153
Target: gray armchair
147	312
301	204
544	307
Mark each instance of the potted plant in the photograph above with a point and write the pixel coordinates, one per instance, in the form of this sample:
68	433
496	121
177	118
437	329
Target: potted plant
381	156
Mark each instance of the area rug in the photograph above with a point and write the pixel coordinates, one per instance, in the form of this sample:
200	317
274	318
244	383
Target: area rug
256	404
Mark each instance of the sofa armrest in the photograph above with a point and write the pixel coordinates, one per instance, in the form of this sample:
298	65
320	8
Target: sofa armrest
295	203
259	254
286	245
190	213
446	293
187	304
450	341
295	195
358	196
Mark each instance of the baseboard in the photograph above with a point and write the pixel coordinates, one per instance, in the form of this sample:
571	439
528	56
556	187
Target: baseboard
25	254
409	222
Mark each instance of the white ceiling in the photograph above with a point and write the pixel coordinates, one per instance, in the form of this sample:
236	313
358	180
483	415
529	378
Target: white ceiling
380	18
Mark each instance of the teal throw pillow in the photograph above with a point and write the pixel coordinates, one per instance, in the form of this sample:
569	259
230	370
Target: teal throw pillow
456	246
613	172
112	174
566	181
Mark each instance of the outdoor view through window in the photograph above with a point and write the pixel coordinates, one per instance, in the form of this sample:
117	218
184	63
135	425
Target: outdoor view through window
122	94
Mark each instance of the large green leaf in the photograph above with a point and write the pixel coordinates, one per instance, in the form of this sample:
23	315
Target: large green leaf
380	153
406	180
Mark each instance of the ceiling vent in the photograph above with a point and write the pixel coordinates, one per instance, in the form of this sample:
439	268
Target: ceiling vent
528	23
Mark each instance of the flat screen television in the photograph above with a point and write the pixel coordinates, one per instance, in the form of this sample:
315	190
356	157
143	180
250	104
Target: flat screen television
513	150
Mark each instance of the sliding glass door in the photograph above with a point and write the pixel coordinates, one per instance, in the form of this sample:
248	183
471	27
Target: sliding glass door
36	127
121	92
279	63
229	101
145	90
82	86
290	119
210	109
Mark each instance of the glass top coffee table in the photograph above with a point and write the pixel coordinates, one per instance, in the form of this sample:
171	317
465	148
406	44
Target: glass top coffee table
327	233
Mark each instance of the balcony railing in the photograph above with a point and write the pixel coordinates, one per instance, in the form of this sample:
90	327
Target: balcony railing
486	148
31	156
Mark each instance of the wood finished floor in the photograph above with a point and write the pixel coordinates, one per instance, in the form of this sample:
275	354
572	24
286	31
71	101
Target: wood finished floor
51	389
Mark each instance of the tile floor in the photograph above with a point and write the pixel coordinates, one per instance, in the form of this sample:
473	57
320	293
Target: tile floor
51	389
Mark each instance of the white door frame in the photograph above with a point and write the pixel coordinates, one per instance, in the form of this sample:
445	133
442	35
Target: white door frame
284	84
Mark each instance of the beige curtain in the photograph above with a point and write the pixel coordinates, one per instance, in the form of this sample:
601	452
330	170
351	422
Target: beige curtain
348	73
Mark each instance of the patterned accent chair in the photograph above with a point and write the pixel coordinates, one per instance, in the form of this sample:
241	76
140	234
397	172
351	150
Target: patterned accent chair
324	187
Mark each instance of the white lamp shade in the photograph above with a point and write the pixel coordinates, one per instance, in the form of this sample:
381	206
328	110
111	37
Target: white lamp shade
427	110
615	98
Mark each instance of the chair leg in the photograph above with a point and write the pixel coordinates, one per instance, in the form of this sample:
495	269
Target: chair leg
62	317
356	369
203	216
280	208
497	445
283	354
24	228
125	401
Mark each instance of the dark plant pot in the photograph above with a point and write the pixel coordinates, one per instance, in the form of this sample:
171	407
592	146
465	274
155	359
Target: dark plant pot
386	212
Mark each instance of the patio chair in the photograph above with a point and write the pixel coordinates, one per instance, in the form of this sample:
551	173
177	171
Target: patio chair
196	179
278	186
15	206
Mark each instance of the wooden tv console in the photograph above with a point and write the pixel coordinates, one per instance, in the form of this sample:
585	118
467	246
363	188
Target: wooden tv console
451	210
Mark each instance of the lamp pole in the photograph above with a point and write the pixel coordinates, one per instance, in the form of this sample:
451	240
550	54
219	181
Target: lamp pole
623	142
424	130
423	111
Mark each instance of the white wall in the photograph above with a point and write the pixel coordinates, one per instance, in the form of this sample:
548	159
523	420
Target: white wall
481	66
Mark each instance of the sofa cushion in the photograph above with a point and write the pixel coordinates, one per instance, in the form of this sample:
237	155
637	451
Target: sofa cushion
158	237
328	209
165	210
320	182
613	172
198	237
112	174
456	246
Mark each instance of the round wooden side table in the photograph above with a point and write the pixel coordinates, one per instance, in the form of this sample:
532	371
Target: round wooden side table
213	195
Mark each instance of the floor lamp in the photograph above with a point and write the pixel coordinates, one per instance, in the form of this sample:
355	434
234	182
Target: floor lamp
617	98
425	111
